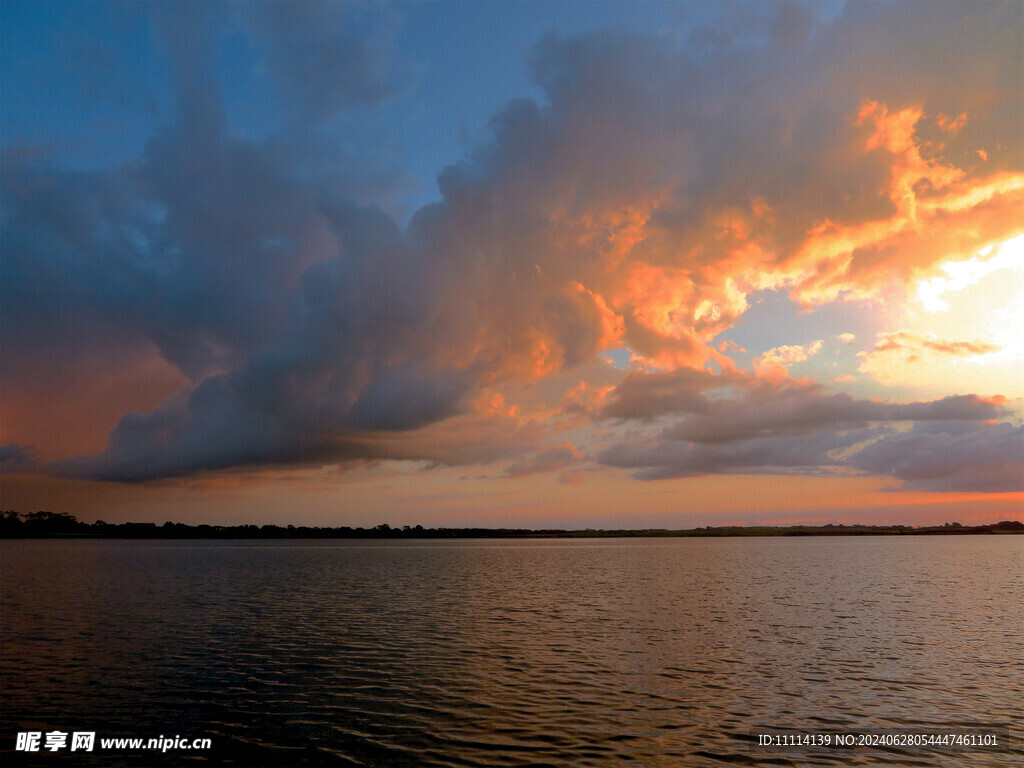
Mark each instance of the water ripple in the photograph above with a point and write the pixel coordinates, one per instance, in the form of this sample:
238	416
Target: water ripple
585	653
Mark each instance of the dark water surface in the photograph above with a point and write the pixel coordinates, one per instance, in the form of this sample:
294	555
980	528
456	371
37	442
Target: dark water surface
657	652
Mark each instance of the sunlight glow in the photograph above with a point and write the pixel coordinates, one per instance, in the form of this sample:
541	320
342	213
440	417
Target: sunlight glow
961	274
969	319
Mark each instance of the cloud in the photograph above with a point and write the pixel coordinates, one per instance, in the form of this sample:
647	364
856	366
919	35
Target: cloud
547	460
322	55
951	456
792	426
16	458
731	406
907	341
206	430
642	395
958	275
794	411
667	458
780	357
637	204
730	346
943	456
894	352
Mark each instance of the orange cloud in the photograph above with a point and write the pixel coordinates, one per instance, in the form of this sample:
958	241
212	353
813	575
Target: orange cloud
939	213
586	397
894	352
673	316
612	326
612	233
730	346
895	132
904	340
953	125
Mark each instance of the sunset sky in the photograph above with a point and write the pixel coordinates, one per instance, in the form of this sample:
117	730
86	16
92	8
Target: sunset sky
513	264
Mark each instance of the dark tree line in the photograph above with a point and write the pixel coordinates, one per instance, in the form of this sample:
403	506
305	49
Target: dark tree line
60	524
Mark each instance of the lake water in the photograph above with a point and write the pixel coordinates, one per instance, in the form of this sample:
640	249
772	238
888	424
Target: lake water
659	652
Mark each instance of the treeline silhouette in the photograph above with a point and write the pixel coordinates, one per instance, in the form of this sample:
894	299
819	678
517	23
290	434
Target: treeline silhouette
60	524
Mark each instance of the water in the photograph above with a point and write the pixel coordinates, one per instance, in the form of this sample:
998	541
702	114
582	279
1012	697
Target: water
659	652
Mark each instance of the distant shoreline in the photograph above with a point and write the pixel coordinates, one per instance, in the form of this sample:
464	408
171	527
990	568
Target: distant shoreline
47	525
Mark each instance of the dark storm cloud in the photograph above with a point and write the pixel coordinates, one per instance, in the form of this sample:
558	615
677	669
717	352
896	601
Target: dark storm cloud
70	248
205	430
204	247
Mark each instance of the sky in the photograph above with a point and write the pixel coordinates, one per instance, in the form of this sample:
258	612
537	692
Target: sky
506	264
